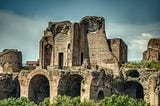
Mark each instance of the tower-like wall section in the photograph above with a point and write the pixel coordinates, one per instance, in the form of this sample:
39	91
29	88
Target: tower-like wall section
119	49
11	60
96	45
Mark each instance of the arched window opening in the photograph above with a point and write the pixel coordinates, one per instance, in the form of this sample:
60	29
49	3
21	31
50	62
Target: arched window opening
38	88
134	89
100	95
70	85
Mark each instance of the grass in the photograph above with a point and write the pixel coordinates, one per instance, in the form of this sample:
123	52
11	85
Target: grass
142	64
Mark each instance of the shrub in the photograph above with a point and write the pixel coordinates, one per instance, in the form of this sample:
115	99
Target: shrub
121	100
66	101
45	102
16	102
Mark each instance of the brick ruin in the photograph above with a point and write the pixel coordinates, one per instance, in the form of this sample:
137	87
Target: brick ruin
77	59
10	60
153	50
67	44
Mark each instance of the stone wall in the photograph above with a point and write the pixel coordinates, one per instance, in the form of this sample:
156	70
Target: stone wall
85	44
148	79
119	49
153	50
11	60
96	49
9	86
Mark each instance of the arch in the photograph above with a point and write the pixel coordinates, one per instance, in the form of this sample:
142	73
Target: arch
134	89
39	88
47	55
70	85
132	73
39	71
100	95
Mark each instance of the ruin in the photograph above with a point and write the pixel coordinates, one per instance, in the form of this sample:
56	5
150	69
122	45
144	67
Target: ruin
153	50
10	60
77	59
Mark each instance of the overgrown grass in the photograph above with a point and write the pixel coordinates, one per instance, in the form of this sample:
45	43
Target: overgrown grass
142	64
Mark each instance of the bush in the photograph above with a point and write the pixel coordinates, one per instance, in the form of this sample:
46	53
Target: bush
16	102
66	101
87	103
114	100
45	102
122	100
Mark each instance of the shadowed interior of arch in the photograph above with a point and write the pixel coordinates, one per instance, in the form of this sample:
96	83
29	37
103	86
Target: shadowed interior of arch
38	88
134	89
100	95
70	85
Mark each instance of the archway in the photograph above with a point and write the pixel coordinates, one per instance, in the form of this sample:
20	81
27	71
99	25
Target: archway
47	54
70	85
134	89
132	73
100	95
38	88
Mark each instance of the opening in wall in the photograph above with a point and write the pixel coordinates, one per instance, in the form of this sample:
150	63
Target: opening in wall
60	64
81	58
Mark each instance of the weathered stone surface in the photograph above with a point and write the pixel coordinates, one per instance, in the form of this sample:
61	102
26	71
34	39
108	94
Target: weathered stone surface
85	44
9	86
11	60
77	59
153	50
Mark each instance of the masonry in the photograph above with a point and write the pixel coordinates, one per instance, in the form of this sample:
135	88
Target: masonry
77	59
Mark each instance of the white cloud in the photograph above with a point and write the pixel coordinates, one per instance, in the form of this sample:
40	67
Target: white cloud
136	36
21	33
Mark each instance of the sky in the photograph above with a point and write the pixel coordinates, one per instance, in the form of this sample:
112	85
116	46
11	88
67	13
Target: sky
22	22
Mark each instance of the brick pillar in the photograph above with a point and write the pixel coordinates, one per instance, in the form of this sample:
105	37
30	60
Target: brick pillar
86	87
23	86
54	88
153	95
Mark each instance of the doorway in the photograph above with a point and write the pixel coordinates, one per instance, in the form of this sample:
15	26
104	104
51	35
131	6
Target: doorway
60	60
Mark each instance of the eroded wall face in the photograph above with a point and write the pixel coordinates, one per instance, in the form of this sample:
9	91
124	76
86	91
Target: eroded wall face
11	61
9	86
153	50
96	48
74	44
119	49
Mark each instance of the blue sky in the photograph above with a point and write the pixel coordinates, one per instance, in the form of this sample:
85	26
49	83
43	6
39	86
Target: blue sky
22	22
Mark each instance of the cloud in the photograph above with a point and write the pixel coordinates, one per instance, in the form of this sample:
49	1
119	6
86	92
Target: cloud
21	33
135	36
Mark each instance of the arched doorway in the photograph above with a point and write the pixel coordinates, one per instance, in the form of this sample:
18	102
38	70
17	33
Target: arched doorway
134	89
47	55
38	88
70	85
100	95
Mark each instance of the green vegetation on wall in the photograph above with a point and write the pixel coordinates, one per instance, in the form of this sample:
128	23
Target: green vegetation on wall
142	64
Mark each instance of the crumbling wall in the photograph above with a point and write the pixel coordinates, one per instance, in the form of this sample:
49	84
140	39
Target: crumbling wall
9	86
96	49
119	49
11	60
153	50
